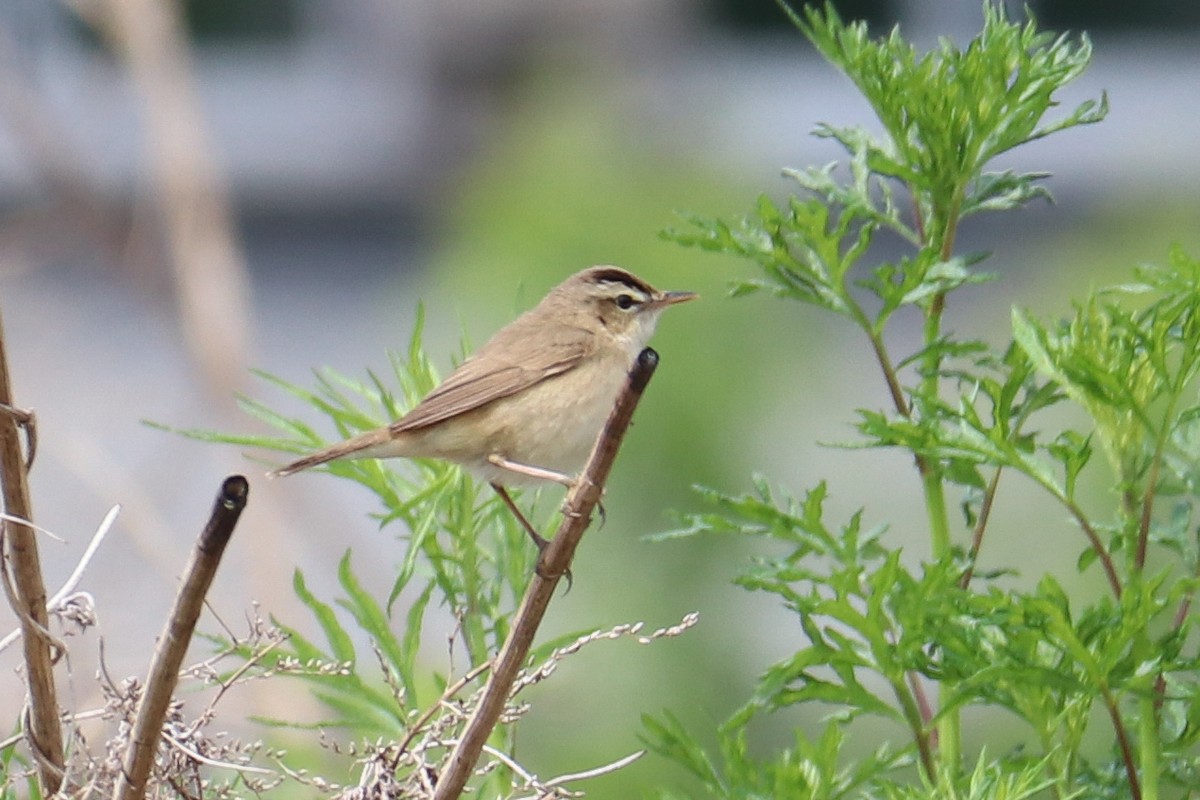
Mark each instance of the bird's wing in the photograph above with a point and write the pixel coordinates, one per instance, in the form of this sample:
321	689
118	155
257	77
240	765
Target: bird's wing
504	366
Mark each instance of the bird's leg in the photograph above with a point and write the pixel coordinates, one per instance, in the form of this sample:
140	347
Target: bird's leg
538	539
530	471
541	473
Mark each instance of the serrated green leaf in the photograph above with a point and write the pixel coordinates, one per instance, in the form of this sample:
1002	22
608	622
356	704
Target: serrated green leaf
368	614
338	638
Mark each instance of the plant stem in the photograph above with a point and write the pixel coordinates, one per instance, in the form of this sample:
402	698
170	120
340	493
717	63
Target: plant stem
1181	616
935	507
949	739
985	513
26	590
1147	513
949	732
172	646
888	369
1102	555
912	715
918	692
1148	747
931	478
554	562
1114	713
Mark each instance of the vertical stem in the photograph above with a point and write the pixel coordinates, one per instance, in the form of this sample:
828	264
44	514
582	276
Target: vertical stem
1148	746
931	478
935	508
949	731
1151	490
948	735
28	594
912	714
1114	714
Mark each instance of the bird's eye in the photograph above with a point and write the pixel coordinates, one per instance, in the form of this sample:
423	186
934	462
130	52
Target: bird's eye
624	301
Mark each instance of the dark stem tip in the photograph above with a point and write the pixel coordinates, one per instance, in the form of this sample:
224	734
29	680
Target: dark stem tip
234	492
643	368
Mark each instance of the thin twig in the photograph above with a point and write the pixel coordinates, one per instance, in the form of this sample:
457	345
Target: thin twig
1147	513
1127	757
200	758
511	763
24	523
919	695
19	545
246	666
88	554
27	421
77	717
1181	616
1110	570
423	720
595	772
889	371
174	640
553	563
543	671
985	513
55	602
914	706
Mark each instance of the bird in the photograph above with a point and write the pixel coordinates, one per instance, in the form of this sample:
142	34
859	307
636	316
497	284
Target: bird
527	407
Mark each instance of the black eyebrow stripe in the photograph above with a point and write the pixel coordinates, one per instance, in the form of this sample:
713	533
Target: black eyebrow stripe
622	277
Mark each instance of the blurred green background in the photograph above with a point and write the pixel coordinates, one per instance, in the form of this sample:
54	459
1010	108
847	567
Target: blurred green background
374	155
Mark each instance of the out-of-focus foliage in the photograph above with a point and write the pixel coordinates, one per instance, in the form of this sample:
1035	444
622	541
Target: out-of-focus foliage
882	634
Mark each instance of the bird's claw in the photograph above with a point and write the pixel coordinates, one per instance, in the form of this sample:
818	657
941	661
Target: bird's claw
543	573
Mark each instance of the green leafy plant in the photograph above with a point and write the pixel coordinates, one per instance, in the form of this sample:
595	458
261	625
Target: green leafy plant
884	637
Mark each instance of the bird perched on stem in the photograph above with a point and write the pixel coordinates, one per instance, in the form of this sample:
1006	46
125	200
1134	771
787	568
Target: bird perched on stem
527	407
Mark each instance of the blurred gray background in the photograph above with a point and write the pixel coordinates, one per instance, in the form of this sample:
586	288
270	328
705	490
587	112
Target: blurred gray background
280	184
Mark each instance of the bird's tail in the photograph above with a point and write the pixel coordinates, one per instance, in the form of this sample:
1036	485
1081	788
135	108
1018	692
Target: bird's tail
364	445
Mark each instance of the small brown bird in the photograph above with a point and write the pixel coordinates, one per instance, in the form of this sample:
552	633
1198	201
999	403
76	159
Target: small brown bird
527	407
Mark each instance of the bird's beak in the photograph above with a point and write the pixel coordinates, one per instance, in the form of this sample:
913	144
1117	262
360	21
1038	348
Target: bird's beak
671	298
